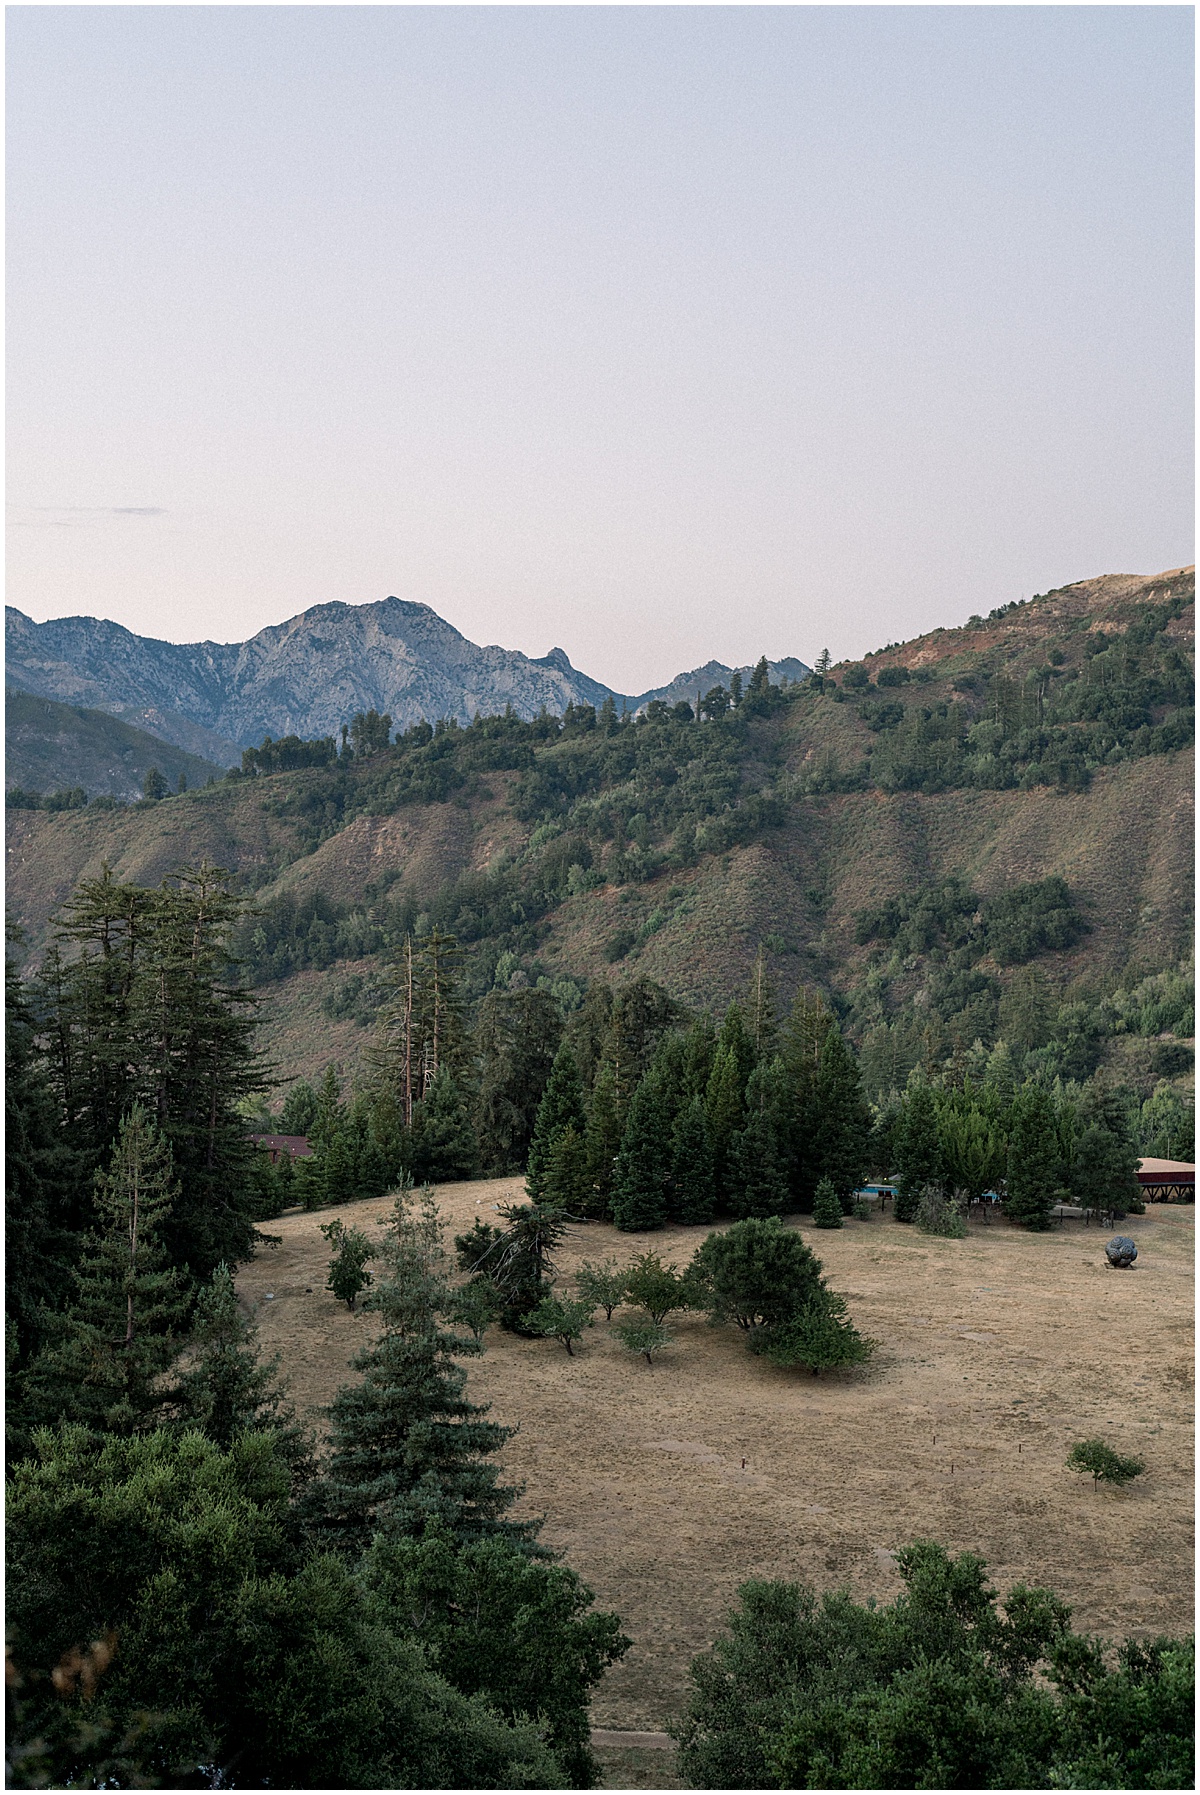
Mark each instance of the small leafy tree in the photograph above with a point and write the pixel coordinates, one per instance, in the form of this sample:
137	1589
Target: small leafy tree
939	1214
1105	1465
643	1336
603	1286
655	1287
559	1320
827	1210
348	1274
475	1307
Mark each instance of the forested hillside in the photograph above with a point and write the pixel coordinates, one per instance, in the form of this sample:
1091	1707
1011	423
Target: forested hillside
1047	742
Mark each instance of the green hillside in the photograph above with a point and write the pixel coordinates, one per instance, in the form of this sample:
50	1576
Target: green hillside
66	748
858	830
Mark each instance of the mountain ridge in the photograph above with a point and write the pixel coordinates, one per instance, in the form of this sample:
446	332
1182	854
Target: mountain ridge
307	675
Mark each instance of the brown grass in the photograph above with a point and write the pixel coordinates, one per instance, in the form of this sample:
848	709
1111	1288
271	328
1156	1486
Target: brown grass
995	1353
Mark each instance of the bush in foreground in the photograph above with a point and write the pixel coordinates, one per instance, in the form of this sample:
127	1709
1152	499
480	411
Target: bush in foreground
941	1689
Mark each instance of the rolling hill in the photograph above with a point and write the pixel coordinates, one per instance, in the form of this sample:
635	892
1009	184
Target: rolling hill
52	747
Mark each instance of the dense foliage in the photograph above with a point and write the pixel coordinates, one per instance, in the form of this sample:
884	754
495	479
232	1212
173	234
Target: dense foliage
195	1597
942	1689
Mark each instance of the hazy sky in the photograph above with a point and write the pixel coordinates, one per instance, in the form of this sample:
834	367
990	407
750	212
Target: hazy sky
657	333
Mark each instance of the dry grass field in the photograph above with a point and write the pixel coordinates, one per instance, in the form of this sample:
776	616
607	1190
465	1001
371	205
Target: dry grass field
666	1486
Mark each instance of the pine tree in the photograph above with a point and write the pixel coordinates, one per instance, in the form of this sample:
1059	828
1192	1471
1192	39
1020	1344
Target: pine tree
1105	1161
348	1274
120	1332
827	1207
643	1165
917	1150
45	1198
605	1126
224	1388
1034	1181
443	1143
299	1109
567	1182
692	1184
757	1183
561	1107
842	1143
408	1448
761	1010
329	1114
516	1038
725	1114
737	1038
421	1028
699	1046
800	1116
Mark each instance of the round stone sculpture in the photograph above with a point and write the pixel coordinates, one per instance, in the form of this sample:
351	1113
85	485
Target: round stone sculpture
1121	1251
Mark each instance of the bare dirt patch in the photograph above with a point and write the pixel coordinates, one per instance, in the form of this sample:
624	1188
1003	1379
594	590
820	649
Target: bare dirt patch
995	1353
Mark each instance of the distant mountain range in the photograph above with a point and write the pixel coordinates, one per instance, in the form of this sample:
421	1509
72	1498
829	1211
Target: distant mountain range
308	676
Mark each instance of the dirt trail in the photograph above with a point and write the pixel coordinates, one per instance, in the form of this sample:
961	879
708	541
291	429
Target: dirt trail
995	1353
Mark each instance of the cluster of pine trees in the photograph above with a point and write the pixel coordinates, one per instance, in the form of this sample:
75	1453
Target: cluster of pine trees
630	1111
1038	1146
741	1120
195	1599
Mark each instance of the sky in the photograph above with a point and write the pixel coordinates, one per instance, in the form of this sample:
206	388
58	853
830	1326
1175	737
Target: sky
655	333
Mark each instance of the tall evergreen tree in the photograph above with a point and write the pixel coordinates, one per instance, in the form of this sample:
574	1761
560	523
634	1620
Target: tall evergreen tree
1105	1161
725	1114
916	1149
643	1166
561	1107
144	1011
761	1010
121	1331
605	1126
299	1109
801	1115
46	1203
757	1181
736	1038
567	1183
588	1031
442	1139
642	1014
1035	1172
699	1046
843	1141
224	1388
516	1038
692	1184
407	1446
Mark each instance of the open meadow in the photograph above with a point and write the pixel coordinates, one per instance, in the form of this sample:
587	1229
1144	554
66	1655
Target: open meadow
666	1486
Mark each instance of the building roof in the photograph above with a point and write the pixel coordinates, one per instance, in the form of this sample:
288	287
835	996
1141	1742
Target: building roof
1167	1169
295	1145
